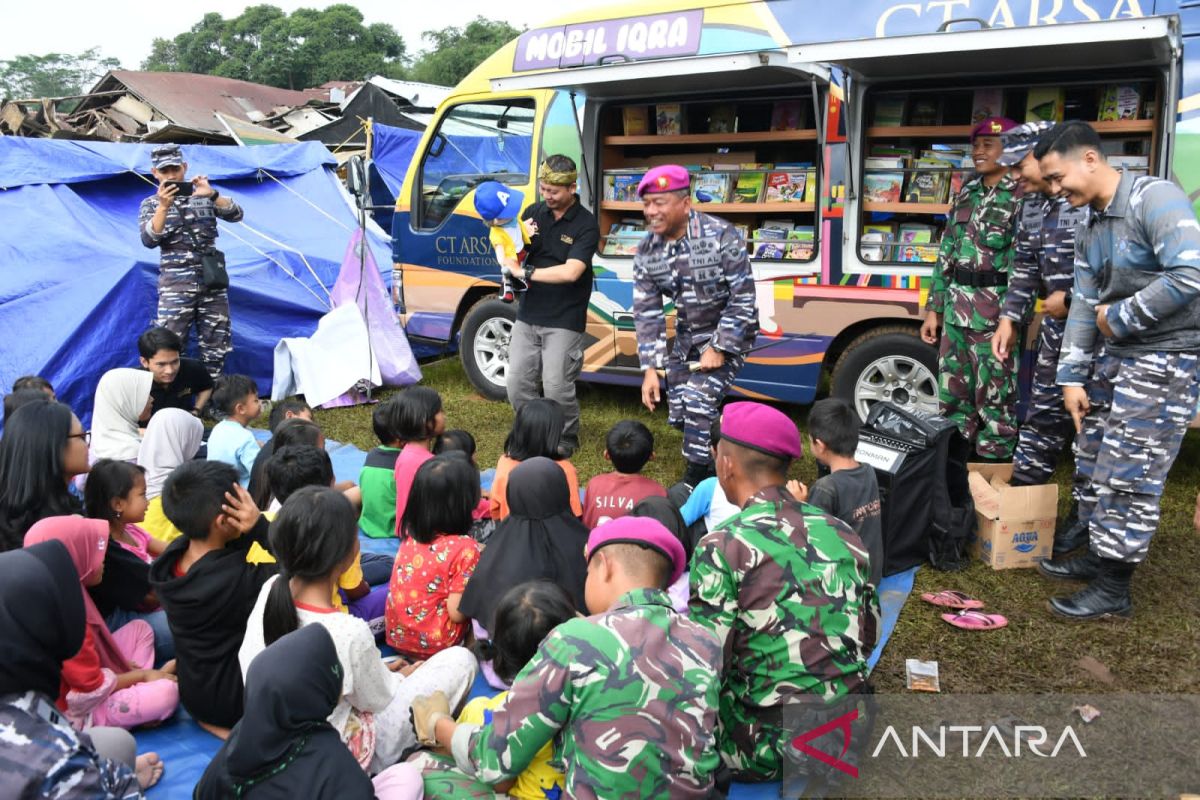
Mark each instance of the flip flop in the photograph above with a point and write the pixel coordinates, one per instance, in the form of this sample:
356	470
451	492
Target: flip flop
951	598
971	620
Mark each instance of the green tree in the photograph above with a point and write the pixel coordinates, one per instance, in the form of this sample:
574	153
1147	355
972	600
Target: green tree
454	52
53	74
296	51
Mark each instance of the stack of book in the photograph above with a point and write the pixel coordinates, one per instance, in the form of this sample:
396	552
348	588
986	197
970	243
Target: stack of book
778	240
916	242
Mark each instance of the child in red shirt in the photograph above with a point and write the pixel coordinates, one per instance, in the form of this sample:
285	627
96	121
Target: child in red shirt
629	445
435	560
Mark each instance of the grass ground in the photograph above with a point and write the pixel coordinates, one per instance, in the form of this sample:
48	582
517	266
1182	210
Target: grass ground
1157	651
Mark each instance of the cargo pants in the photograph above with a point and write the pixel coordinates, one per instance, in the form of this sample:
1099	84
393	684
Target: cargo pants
1047	426
1140	410
183	301
694	398
976	392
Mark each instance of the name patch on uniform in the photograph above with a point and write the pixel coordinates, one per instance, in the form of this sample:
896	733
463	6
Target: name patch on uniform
1072	217
566	239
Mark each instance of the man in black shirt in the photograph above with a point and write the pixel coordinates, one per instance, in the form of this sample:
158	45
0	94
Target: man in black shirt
178	382
547	339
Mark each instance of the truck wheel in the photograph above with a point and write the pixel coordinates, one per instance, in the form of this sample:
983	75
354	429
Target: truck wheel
483	346
887	364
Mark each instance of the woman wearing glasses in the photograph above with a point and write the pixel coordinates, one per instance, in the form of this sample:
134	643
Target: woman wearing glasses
44	446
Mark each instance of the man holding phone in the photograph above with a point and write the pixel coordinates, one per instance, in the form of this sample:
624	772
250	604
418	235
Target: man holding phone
181	220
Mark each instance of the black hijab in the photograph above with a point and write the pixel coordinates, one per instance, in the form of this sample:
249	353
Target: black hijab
284	747
540	539
666	512
41	617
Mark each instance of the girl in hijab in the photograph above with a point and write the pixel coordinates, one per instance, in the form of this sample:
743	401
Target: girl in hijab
172	438
42	625
540	539
284	747
536	432
44	446
98	686
663	510
122	401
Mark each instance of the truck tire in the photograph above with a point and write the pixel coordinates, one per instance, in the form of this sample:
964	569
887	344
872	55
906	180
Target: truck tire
890	363
483	346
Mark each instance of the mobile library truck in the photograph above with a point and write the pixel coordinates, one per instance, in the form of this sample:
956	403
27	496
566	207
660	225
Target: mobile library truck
833	136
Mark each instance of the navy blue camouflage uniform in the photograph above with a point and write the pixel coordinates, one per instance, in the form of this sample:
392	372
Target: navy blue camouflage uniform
707	274
1043	263
1140	256
183	300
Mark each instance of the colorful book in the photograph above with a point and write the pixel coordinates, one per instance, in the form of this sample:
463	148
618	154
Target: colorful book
621	185
636	120
723	118
749	187
882	187
1045	104
786	115
928	181
876	242
770	250
987	103
798	251
916	243
1119	102
785	187
711	187
668	119
889	110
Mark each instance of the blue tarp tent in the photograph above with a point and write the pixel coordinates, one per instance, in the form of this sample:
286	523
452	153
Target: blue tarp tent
77	286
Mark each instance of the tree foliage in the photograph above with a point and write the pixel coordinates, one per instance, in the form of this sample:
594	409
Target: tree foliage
266	45
454	52
53	74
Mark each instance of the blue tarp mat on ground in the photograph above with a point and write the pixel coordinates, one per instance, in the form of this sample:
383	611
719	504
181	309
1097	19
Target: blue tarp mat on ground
77	286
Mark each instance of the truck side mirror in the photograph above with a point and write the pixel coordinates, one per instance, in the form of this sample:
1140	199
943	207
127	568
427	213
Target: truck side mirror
356	176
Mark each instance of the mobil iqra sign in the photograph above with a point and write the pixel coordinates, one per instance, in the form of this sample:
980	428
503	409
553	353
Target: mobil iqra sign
605	40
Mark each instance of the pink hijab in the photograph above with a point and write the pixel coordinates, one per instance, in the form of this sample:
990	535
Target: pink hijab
87	541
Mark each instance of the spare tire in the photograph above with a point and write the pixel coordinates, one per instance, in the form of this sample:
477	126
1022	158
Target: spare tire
888	363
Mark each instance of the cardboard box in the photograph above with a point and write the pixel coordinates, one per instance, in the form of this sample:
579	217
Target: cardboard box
1015	523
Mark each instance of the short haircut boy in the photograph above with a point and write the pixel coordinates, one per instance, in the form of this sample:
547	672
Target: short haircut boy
294	405
630	445
194	493
231	390
155	339
836	423
1067	137
33	382
384	422
22	397
293	467
455	440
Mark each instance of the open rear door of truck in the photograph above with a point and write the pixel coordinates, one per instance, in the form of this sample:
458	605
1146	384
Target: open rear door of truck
1149	46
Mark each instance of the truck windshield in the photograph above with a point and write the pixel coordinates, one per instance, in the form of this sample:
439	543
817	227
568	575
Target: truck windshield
475	142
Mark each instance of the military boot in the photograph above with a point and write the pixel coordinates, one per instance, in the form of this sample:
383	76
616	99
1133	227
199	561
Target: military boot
1074	533
1106	596
1080	568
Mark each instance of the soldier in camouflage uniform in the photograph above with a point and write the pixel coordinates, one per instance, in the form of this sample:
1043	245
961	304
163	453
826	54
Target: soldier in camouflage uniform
185	228
976	391
1137	282
700	262
628	696
785	587
1043	265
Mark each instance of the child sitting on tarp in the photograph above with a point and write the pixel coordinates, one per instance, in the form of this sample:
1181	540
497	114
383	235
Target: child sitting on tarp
499	206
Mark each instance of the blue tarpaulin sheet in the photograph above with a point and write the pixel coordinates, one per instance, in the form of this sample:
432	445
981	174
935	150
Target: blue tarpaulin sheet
77	286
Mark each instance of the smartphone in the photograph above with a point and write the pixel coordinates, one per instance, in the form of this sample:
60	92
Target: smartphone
183	188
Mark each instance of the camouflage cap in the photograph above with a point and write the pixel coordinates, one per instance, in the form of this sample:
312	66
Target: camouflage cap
1020	141
168	155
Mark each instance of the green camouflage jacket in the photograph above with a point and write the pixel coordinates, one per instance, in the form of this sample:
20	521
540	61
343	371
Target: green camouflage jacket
629	698
979	237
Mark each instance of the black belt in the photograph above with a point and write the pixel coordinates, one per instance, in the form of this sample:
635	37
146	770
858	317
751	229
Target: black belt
969	277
